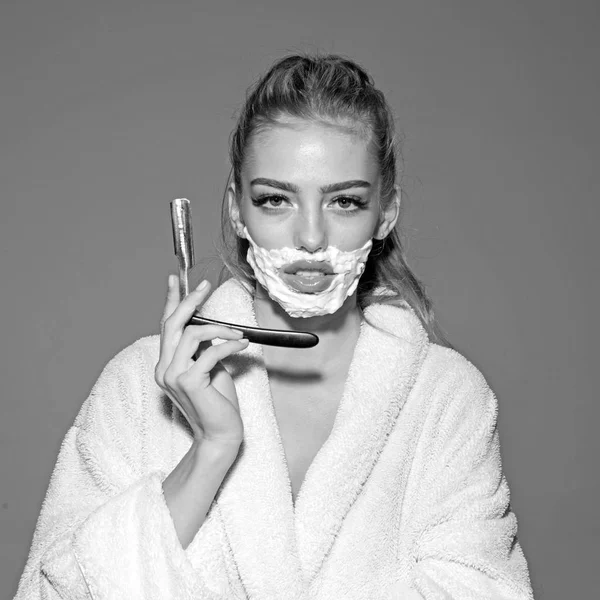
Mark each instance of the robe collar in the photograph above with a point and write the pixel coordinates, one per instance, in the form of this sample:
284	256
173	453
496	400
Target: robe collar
279	549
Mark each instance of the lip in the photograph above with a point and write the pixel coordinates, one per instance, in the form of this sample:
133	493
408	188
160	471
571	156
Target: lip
308	284
308	265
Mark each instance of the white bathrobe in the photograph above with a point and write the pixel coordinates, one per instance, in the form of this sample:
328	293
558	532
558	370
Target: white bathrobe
405	500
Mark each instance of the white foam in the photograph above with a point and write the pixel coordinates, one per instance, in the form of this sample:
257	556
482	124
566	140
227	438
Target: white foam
348	266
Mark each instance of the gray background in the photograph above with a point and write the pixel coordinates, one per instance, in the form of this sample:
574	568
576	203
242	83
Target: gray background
111	109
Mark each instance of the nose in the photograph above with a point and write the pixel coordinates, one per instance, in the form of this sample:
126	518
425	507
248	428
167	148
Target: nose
311	232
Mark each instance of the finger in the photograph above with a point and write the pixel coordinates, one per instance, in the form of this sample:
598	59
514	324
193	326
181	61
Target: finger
175	323
172	298
211	356
195	335
170	305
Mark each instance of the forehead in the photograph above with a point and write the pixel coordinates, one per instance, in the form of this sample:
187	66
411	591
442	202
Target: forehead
304	151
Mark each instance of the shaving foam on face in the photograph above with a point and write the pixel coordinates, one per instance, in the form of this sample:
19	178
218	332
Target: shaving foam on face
347	266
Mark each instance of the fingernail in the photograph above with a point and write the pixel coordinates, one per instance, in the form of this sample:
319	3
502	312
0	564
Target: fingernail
202	286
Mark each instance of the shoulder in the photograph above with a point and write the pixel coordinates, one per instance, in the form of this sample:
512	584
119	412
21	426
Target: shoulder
448	391
125	385
450	367
229	301
146	348
140	353
456	390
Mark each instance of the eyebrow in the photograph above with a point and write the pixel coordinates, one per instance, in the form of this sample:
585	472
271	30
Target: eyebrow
326	189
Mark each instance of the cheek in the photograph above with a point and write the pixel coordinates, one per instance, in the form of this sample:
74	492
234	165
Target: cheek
353	236
265	230
351	232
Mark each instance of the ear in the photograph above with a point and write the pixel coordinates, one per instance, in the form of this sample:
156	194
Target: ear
389	216
234	210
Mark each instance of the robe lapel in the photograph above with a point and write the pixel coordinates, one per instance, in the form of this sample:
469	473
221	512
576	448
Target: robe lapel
278	551
255	500
382	372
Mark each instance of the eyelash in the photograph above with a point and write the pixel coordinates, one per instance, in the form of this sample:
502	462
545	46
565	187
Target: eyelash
262	200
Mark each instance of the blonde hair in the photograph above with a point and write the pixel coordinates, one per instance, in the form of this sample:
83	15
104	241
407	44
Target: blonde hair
336	90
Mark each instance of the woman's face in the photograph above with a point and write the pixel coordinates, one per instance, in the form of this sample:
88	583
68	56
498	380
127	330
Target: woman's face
309	186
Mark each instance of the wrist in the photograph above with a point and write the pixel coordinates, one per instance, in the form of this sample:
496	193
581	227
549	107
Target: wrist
215	451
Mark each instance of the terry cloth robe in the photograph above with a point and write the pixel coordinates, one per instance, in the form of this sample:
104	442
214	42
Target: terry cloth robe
405	500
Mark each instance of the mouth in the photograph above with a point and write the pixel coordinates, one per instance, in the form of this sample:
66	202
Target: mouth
308	277
305	268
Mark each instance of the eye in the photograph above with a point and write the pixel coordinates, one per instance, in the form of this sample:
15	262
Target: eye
345	202
269	201
349	203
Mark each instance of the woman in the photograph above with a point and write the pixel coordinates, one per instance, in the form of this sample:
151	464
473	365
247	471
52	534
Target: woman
365	467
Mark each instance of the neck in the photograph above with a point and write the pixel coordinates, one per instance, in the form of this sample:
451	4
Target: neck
337	332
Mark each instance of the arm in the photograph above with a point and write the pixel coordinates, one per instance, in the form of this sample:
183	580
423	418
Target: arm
105	529
466	545
192	485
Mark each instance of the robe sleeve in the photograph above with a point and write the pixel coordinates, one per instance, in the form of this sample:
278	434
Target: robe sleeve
466	543
105	531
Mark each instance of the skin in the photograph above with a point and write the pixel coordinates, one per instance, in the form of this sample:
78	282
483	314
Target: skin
310	156
306	385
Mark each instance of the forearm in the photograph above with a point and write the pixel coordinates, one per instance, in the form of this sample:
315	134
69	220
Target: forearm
192	485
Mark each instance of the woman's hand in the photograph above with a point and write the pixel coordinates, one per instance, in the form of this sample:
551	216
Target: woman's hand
189	372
